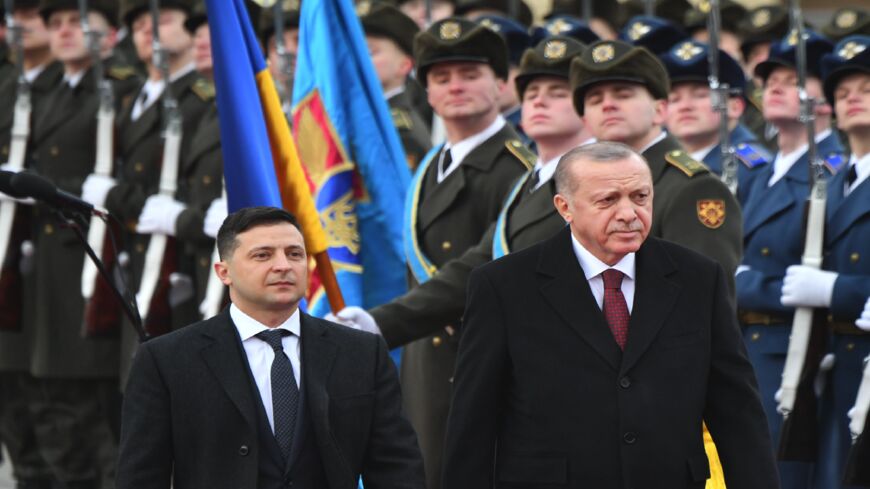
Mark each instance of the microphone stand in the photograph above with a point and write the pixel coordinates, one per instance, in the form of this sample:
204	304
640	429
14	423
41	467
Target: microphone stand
124	298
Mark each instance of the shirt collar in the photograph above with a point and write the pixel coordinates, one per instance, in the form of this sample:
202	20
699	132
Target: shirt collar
249	327
460	150
393	92
652	143
31	74
592	266
862	167
182	71
74	79
702	153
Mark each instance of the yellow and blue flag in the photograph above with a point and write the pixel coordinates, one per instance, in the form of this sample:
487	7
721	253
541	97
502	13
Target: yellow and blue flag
352	152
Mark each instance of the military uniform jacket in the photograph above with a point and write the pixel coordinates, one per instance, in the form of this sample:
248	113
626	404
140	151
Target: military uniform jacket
692	207
773	230
412	130
751	158
63	146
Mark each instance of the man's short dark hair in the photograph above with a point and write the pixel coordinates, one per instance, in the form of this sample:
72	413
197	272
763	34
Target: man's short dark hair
247	218
602	152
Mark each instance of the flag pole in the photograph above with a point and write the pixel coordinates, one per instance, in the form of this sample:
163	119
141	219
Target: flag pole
328	281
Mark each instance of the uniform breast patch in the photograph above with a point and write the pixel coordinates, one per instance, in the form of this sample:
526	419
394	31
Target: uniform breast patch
711	212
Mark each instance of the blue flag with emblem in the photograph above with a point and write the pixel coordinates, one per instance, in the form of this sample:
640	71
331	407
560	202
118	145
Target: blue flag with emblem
352	152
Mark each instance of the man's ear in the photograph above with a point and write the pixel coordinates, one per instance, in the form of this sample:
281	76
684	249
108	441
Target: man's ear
562	207
223	272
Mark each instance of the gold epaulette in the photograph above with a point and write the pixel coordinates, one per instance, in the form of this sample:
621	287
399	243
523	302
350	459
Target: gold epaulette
685	163
401	118
524	154
120	72
203	89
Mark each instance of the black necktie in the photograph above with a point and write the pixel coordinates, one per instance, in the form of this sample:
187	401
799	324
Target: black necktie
285	392
143	99
851	176
535	180
444	163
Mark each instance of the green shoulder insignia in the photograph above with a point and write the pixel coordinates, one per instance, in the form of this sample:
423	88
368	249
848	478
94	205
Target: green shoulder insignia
401	118
755	97
203	89
685	163
120	72
524	154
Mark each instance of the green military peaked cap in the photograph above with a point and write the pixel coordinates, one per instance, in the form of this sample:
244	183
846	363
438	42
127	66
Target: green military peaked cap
135	7
607	61
198	16
289	14
848	21
551	57
382	19
456	39
109	8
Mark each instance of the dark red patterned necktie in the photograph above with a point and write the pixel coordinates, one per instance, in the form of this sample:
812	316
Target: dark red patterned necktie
615	308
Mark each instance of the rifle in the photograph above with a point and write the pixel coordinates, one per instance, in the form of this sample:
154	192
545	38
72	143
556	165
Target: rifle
286	60
159	257
719	93
797	401
14	226
857	471
102	312
214	289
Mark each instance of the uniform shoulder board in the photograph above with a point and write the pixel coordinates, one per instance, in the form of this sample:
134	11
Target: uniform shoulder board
751	155
401	118
524	154
203	89
120	72
835	161
685	163
755	97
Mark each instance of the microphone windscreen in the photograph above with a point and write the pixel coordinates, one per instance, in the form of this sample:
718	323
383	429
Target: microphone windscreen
30	185
6	184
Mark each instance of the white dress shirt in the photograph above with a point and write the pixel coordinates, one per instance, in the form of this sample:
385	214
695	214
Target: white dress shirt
460	150
31	74
652	143
547	169
783	162
74	79
154	89
702	153
260	354
593	268
862	167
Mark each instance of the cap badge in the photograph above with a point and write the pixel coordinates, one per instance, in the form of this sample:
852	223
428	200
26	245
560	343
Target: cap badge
793	38
603	53
761	18
449	30
558	26
363	8
489	24
638	30
846	19
555	49
688	51
704	6
850	50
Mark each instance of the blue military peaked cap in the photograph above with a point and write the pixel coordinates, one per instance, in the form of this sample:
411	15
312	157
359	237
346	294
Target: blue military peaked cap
850	55
654	33
564	25
784	53
514	34
687	61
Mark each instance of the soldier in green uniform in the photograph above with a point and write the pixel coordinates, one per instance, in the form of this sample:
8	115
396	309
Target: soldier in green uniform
132	195
621	91
390	38
455	195
281	73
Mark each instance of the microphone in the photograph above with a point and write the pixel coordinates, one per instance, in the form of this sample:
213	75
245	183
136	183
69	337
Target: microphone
6	184
31	185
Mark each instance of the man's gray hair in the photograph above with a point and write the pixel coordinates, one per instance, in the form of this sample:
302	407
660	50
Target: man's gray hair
601	152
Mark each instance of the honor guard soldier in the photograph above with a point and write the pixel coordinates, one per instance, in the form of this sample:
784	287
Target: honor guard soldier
390	38
455	195
654	33
731	15
282	70
693	121
848	21
774	226
843	284
517	38
620	91
142	159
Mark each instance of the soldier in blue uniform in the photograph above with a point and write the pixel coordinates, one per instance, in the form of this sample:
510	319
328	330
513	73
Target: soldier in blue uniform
773	225
693	121
844	283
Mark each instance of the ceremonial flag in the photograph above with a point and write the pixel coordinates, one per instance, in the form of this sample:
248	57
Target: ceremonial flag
352	152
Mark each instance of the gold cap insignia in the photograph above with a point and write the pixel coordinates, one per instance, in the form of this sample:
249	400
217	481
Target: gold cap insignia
688	51
555	49
603	53
638	30
704	6
449	30
490	25
793	38
711	212
761	18
846	19
558	26
850	50
363	8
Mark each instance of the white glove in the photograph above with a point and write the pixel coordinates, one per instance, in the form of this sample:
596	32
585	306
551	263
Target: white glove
863	322
214	217
741	269
96	188
159	215
356	318
9	198
805	286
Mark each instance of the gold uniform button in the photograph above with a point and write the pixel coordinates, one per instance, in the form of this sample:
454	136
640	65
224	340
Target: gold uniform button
206	180
436	341
850	346
446	245
140	248
755	336
854	257
203	262
49	229
54	151
765	251
138	167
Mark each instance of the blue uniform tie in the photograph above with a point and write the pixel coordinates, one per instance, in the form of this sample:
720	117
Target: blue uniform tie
285	392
